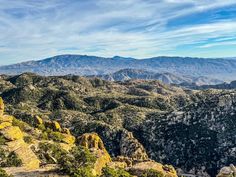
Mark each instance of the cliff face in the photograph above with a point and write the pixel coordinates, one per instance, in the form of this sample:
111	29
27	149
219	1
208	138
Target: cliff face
193	130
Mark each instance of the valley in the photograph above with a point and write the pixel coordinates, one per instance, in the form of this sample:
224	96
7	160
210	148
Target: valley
193	130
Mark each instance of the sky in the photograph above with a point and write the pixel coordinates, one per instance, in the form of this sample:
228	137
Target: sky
36	29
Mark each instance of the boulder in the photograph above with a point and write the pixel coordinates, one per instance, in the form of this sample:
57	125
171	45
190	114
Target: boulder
54	125
117	165
91	141
94	143
128	161
1	107
6	118
142	168
38	120
68	139
12	133
227	171
4	125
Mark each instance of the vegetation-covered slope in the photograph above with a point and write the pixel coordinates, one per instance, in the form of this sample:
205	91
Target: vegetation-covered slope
47	149
193	130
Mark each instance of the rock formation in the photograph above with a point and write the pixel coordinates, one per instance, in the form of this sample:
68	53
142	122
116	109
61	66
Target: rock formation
14	141
94	143
130	147
1	107
141	168
229	171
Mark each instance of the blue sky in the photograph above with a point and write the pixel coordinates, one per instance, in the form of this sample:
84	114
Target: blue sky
35	29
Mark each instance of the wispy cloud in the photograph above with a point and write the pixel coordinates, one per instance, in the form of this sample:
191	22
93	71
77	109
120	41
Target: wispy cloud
138	28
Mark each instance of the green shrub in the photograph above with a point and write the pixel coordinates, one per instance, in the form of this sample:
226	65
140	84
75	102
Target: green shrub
110	172
4	174
2	140
41	127
13	160
28	139
83	172
9	159
44	136
55	136
3	157
51	153
79	161
22	125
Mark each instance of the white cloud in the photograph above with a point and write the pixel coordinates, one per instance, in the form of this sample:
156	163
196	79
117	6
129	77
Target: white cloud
35	29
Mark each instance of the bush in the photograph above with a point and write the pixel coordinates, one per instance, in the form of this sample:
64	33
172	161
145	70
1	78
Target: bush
9	159
28	139
79	161
49	134
83	172
55	136
110	172
51	153
22	125
2	140
13	160
4	174
44	136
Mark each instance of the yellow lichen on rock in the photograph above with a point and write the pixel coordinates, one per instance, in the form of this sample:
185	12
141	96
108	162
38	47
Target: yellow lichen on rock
12	133
94	143
6	118
117	165
91	140
24	153
38	120
1	107
69	139
54	125
66	147
143	167
4	125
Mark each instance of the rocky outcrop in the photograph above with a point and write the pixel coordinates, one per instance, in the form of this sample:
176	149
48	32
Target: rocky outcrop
1	107
12	133
38	121
68	139
15	143
5	121
54	125
94	143
227	171
130	147
143	168
24	152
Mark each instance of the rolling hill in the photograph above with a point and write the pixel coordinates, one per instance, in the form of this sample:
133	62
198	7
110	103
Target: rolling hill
167	78
192	130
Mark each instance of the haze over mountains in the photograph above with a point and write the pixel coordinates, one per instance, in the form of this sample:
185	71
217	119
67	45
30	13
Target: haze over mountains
167	78
222	69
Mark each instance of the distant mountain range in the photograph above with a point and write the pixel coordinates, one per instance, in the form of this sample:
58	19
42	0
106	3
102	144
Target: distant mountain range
91	65
221	86
167	78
